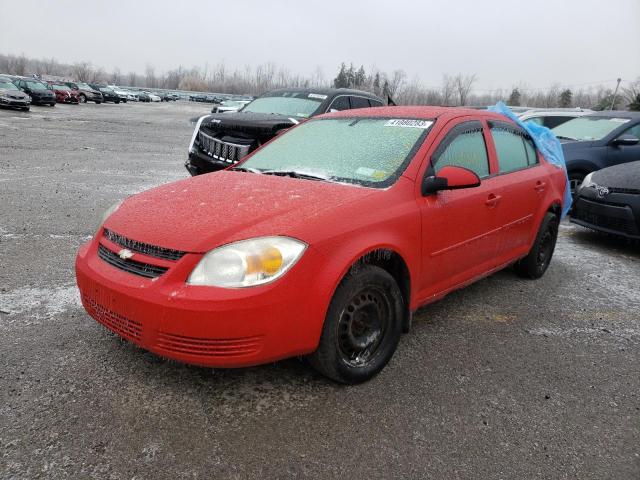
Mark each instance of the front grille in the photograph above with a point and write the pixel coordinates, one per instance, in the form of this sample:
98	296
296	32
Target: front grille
144	248
131	266
223	151
209	347
123	326
605	221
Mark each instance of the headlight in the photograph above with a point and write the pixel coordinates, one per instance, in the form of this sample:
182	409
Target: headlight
587	181
109	212
247	263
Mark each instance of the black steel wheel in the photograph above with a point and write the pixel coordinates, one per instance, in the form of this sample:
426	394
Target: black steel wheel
362	327
535	264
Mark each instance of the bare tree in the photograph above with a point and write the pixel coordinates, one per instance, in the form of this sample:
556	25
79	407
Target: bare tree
463	85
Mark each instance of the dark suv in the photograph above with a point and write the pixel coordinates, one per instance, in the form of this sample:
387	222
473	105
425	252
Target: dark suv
599	140
223	139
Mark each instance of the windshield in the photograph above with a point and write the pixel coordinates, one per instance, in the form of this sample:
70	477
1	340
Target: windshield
588	128
36	85
84	86
366	151
293	104
106	90
7	86
55	86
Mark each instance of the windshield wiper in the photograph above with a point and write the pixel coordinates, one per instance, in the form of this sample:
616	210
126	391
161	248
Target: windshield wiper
246	169
562	137
295	174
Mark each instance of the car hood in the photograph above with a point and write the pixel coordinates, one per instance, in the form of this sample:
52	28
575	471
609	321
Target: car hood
200	213
249	123
14	94
625	175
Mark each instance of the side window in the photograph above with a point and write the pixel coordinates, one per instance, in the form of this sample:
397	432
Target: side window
510	147
375	103
532	154
635	131
464	147
554	121
340	103
359	102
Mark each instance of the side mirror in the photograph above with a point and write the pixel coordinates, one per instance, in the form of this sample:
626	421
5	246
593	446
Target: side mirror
450	178
625	140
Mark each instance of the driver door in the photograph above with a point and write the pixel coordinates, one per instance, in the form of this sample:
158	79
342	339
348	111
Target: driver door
460	227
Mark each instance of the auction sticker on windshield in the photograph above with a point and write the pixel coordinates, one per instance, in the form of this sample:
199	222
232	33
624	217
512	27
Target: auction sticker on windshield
403	122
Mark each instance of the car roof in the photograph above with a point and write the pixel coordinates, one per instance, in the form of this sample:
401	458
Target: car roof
556	112
418	112
325	91
616	114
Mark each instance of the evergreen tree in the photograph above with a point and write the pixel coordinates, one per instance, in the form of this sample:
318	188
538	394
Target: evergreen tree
341	80
566	98
359	77
634	106
376	84
514	98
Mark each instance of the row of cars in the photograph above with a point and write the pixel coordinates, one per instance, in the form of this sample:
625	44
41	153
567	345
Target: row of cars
22	92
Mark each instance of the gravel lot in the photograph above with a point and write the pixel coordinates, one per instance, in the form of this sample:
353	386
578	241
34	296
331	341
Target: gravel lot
507	379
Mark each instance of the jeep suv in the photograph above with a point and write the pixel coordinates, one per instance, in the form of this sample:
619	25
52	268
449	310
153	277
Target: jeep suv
223	139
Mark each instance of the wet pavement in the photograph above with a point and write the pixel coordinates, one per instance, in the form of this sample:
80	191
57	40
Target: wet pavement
506	379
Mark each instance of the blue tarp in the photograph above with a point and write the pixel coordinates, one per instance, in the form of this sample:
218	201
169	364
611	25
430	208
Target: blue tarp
546	142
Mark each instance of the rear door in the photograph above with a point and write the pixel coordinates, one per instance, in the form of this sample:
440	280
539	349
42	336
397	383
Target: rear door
522	180
459	227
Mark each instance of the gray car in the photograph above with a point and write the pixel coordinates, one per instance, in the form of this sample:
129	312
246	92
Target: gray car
11	96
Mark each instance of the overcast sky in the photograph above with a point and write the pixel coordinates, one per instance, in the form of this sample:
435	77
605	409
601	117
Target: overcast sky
504	42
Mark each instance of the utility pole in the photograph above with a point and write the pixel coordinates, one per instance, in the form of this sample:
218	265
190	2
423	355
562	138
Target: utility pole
613	100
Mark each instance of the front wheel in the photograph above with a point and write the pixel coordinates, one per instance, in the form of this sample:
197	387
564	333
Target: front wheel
537	261
362	328
83	98
575	180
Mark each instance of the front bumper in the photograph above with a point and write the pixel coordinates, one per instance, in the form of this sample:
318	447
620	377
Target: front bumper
617	213
199	163
205	326
43	100
14	102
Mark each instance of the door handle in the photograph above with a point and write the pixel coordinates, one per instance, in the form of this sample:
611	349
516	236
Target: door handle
492	200
540	186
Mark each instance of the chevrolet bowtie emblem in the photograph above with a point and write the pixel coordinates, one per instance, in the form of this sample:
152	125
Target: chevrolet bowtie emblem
125	254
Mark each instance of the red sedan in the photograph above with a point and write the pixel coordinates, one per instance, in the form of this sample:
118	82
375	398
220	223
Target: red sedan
64	94
324	241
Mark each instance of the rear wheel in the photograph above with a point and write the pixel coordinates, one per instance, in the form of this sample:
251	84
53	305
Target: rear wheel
537	261
362	328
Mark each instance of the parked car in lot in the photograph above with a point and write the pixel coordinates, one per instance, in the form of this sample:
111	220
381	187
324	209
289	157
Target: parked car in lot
597	141
38	91
142	96
220	140
153	97
11	96
552	117
325	240
108	94
63	92
229	106
608	201
86	93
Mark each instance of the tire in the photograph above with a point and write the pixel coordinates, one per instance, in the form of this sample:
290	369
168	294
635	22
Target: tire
25	109
83	98
575	179
98	103
537	261
362	328
52	104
